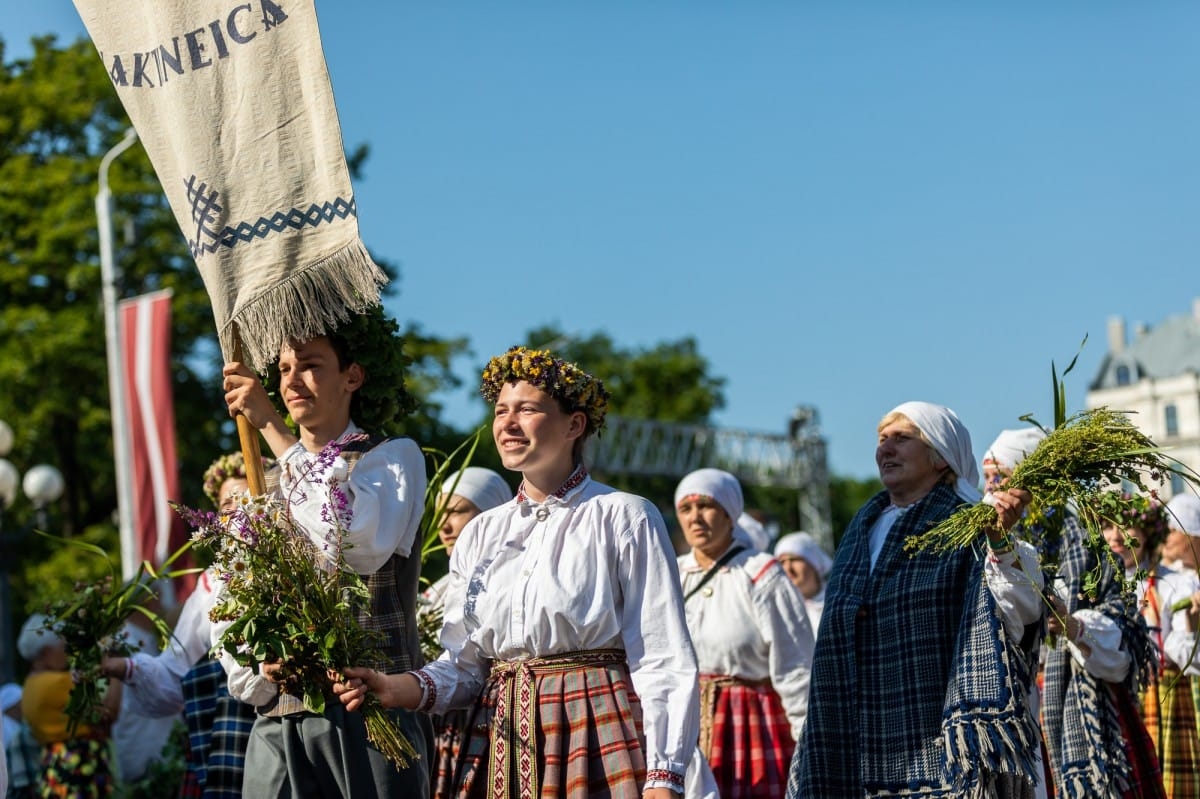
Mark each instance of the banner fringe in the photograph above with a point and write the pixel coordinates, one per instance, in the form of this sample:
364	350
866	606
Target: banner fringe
306	304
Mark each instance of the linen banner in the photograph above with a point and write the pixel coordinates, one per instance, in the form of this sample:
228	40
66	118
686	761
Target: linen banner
233	103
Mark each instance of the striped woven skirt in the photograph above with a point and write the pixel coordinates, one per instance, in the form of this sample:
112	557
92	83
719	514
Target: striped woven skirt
746	736
563	727
1170	716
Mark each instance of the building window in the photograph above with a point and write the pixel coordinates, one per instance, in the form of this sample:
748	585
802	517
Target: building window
1122	375
1177	486
1171	418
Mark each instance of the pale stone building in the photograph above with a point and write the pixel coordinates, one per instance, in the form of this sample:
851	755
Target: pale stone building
1156	375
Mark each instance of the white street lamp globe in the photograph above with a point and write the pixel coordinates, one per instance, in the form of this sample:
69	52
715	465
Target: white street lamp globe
9	477
43	484
6	438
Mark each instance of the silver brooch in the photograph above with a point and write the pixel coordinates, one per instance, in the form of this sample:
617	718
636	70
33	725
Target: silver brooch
542	514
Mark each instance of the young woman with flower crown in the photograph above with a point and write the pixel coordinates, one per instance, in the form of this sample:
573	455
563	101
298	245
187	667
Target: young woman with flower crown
564	622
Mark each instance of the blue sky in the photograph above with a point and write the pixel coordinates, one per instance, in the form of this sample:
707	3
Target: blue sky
848	205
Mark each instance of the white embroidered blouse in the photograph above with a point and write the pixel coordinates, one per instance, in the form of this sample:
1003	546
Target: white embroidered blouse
591	569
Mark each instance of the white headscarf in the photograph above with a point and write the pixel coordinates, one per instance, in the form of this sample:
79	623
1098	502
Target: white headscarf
1183	514
721	486
802	545
950	439
481	487
755	534
33	639
1011	447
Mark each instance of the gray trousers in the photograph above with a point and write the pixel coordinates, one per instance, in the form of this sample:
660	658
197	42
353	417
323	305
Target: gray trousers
305	756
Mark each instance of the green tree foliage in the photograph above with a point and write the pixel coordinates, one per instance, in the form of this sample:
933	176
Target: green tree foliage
58	116
846	496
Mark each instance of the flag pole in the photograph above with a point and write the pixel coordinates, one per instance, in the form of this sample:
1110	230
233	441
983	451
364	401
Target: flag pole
116	389
248	437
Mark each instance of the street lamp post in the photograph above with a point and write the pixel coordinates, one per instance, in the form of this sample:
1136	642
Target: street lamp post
116	388
43	484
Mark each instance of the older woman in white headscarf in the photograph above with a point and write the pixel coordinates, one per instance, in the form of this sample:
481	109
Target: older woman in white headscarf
470	492
806	565
919	682
752	637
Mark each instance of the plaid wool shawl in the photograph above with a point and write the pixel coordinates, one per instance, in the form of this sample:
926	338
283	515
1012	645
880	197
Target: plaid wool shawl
917	689
1088	750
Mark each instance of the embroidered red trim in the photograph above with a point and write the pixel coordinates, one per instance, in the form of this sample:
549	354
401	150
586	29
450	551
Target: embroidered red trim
430	690
662	775
574	480
766	568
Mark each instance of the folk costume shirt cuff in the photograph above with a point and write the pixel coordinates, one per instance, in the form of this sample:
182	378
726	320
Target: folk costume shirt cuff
156	687
666	774
1105	659
429	692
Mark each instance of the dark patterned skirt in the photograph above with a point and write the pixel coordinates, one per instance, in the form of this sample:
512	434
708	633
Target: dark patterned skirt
555	728
447	741
746	736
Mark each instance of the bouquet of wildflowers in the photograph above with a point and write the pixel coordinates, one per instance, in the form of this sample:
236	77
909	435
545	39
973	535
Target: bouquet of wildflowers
91	622
293	601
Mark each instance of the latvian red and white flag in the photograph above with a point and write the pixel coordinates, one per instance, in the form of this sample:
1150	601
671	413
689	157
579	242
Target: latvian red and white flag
145	335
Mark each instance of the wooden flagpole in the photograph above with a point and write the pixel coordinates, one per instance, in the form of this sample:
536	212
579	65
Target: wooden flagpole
249	438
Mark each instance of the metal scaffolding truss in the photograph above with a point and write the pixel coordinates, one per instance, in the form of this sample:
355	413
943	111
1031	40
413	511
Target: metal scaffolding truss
671	449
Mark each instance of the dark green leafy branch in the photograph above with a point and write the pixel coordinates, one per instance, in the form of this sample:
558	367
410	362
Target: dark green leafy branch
91	622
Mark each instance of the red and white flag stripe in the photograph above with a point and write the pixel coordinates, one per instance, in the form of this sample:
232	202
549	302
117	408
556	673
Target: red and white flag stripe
145	335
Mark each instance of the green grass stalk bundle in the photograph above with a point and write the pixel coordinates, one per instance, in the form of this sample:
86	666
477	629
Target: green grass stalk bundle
1080	466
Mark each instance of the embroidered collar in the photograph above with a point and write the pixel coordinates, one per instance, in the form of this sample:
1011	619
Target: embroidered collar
574	481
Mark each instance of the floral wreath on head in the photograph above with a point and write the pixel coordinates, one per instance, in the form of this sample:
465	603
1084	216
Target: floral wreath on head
229	466
1147	515
561	379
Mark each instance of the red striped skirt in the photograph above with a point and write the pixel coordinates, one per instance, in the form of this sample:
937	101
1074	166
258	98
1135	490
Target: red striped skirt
746	736
564	727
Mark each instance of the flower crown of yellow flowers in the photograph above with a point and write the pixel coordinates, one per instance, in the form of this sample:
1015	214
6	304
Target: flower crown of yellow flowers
563	380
